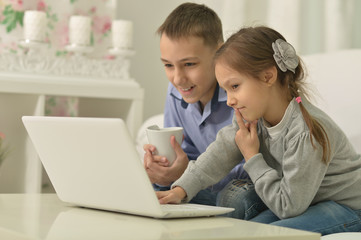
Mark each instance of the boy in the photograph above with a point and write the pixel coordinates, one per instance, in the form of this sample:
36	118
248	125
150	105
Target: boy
189	37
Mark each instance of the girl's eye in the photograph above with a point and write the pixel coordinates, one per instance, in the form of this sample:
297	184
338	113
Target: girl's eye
189	64
234	86
167	65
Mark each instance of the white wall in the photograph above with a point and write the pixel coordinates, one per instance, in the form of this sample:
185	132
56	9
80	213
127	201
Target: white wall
146	67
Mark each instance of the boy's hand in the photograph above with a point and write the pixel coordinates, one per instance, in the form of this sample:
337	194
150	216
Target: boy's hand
246	137
175	195
158	170
155	158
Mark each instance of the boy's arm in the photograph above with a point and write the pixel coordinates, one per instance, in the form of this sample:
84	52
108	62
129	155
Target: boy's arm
162	174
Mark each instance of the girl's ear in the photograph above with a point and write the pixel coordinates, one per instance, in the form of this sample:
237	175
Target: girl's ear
270	75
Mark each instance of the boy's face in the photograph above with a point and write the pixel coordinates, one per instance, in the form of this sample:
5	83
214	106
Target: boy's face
189	67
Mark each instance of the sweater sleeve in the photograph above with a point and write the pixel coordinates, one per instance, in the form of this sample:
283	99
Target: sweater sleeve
289	194
214	164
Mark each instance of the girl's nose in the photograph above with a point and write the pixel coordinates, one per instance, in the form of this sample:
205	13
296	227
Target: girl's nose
231	101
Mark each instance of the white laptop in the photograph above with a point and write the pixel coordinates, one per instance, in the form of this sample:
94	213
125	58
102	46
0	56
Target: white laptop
93	162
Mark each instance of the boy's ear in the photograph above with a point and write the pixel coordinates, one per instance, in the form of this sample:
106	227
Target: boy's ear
270	75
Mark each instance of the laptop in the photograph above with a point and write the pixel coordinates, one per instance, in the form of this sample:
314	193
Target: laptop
93	163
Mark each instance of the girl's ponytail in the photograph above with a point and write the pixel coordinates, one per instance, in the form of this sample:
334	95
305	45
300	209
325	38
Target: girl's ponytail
315	128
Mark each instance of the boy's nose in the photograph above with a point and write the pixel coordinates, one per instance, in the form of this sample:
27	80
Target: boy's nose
179	76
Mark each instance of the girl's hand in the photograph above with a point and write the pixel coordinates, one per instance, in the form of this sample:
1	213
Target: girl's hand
246	137
175	195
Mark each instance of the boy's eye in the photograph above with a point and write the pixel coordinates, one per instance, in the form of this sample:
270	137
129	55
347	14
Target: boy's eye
189	64
167	65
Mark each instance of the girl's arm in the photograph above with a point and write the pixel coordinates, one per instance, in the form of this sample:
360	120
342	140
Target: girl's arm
289	191
214	164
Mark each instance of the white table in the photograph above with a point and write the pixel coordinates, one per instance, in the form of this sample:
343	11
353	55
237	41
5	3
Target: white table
44	216
24	94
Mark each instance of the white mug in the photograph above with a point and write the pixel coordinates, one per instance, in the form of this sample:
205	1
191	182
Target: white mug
160	138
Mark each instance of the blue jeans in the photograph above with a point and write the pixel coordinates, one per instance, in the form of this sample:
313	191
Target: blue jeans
241	195
204	197
324	217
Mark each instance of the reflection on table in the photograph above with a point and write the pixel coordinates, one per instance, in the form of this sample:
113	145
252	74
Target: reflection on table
44	216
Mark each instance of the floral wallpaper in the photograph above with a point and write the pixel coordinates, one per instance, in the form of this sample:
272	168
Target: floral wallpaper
102	13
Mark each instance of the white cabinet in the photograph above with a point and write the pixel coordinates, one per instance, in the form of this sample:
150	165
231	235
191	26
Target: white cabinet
24	94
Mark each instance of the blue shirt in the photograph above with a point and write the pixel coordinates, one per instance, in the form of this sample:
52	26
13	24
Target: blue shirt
200	128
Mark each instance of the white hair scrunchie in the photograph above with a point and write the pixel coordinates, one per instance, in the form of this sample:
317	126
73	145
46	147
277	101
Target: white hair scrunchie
285	55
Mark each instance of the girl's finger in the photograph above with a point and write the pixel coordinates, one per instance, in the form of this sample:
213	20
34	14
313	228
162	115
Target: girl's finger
253	129
240	121
164	200
165	197
161	194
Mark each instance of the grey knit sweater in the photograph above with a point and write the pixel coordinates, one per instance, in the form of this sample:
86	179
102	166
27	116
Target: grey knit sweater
288	173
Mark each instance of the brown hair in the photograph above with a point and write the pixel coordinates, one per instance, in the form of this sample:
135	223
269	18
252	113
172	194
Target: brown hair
249	51
191	19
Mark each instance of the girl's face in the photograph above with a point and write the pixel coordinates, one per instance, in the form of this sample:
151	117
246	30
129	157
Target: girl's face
245	94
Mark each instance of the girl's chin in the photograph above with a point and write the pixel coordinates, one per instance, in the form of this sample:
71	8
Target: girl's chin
248	119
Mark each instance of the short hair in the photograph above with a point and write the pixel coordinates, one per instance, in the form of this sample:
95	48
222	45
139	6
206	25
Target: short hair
191	19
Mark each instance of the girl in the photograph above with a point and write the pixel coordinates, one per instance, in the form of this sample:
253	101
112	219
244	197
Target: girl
302	165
